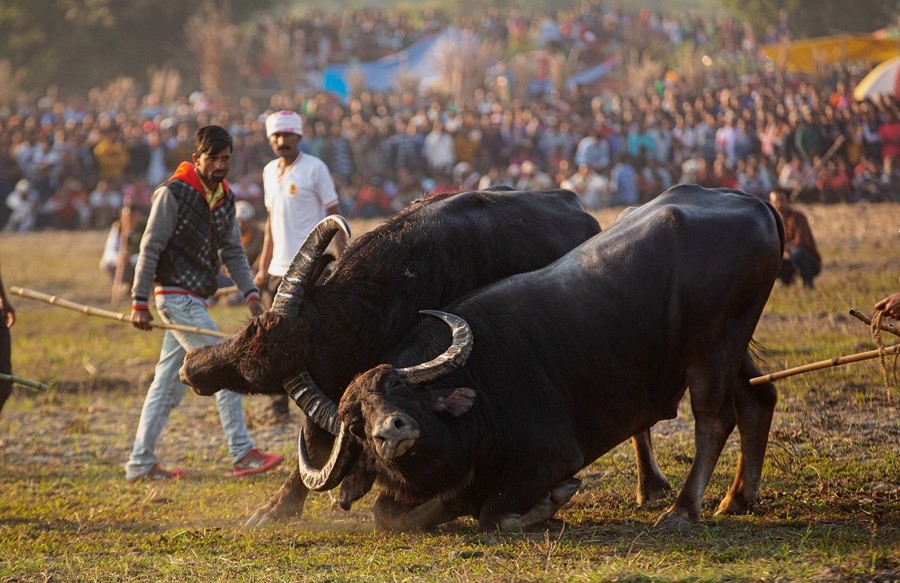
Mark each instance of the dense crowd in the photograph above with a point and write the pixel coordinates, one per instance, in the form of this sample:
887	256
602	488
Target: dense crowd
72	162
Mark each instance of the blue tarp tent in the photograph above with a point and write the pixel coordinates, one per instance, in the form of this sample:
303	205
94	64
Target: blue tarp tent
419	60
588	76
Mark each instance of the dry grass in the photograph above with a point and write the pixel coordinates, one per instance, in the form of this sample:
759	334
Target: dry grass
829	508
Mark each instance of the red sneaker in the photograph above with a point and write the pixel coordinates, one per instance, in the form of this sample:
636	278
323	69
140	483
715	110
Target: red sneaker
156	473
256	462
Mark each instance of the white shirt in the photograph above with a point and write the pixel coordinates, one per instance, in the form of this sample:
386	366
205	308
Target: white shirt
438	149
296	202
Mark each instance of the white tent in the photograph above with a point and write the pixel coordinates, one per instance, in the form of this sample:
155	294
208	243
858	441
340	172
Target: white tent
885	78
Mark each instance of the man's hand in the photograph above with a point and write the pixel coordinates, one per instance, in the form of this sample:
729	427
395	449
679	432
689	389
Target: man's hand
890	305
261	279
9	314
256	307
141	319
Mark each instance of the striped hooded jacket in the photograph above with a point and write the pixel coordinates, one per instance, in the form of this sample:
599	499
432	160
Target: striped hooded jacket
186	242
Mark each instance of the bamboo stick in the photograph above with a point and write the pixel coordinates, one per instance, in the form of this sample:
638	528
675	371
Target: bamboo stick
817	167
825	364
224	291
24	382
91	311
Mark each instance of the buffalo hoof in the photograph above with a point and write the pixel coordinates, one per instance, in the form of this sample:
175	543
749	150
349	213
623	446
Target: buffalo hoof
652	492
734	505
271	513
261	517
674	516
279	509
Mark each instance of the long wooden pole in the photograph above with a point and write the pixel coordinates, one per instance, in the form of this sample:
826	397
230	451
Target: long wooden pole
24	382
91	311
817	167
824	364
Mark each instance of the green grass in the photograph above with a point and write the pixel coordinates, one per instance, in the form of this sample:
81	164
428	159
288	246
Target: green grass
830	498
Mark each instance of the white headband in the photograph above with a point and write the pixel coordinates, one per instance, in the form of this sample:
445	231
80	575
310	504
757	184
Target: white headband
284	122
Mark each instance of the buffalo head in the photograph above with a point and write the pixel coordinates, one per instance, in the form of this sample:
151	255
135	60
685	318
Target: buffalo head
265	354
387	413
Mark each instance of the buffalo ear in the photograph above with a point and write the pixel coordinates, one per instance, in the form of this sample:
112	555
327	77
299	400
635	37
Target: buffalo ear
350	412
453	402
323	268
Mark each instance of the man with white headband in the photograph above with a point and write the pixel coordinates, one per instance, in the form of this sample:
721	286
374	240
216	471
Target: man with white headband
298	192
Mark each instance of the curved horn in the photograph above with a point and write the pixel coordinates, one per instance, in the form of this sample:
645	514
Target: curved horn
314	403
290	292
343	456
454	357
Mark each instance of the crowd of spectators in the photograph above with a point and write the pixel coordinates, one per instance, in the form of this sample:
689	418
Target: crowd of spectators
73	162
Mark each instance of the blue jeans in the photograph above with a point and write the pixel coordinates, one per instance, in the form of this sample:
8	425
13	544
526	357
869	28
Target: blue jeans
166	390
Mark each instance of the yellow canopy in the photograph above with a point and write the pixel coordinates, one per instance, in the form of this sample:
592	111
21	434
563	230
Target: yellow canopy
807	54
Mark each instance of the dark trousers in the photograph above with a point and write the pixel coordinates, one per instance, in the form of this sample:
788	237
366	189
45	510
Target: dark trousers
800	262
269	290
5	362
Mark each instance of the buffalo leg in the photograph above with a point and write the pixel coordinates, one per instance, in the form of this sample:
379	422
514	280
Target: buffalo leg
287	502
392	515
715	418
531	488
755	407
652	484
541	512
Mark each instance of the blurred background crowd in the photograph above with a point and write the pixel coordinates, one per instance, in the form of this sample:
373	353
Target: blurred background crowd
740	120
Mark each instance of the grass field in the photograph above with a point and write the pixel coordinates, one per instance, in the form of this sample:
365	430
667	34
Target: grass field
830	498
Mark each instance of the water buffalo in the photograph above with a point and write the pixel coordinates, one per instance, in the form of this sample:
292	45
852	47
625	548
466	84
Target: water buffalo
326	332
569	361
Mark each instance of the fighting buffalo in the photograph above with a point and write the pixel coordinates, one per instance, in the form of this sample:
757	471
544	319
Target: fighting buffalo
321	332
549	370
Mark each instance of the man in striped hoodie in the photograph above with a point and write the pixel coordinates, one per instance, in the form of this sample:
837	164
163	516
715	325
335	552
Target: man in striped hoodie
190	231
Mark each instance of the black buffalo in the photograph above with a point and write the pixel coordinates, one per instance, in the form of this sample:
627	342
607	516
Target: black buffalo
569	361
323	333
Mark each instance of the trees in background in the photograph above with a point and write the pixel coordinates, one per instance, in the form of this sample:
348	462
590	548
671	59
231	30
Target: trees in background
79	44
819	18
